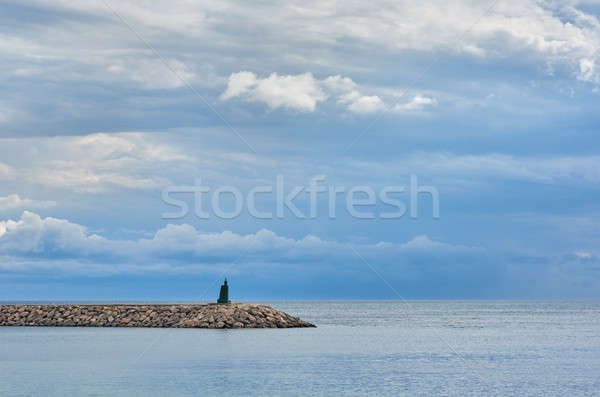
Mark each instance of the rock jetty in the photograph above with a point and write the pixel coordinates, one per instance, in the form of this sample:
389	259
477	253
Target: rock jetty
233	315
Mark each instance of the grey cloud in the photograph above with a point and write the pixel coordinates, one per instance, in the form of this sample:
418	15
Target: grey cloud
560	33
105	51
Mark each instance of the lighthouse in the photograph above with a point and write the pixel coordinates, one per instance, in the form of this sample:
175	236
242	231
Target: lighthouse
224	293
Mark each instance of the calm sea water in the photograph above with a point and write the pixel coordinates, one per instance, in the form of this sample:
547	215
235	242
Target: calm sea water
359	348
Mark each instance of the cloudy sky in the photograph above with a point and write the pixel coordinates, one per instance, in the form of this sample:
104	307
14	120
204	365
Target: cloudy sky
105	104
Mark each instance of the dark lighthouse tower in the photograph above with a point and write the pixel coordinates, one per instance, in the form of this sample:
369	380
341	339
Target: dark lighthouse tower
224	293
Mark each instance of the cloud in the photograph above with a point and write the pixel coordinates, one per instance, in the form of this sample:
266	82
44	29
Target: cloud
100	163
569	170
298	92
422	242
9	114
7	172
362	104
32	235
302	92
416	103
338	84
94	163
239	84
152	74
79	69
14	202
583	254
587	70
33	245
49	238
82	57
560	33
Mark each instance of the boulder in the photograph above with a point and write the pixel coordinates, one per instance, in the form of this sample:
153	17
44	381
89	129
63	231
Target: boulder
232	315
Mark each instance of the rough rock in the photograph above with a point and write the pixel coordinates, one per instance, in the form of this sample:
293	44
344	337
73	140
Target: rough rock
233	315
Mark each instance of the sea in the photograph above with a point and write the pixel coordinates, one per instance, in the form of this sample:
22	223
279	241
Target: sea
359	348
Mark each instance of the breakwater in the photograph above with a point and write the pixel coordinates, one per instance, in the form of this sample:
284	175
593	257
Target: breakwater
233	315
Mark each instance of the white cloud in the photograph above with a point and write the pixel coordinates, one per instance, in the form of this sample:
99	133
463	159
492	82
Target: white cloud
49	238
298	92
239	84
424	242
36	245
416	103
339	85
13	202
301	92
362	104
367	104
587	70
34	235
93	163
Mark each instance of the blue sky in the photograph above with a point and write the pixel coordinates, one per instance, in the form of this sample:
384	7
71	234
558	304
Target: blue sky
106	104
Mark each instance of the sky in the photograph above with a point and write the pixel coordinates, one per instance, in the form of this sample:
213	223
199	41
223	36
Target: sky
112	113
